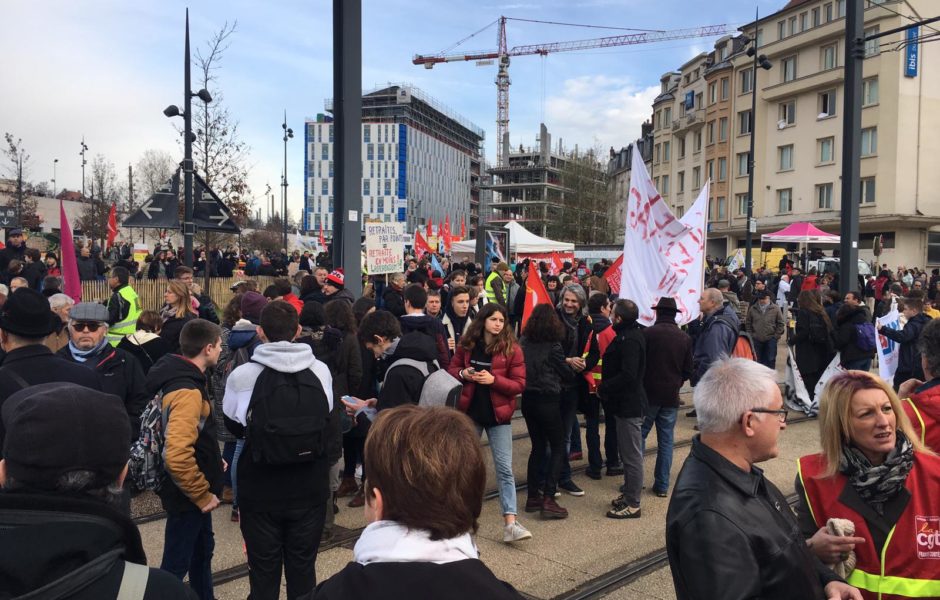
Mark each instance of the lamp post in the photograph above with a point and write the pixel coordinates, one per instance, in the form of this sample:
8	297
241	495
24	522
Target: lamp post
760	60
189	228
288	134
85	162
54	163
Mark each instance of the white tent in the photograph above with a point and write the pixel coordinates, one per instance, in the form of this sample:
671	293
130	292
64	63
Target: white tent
521	241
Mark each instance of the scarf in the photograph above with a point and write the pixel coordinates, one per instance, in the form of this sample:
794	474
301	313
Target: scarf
83	355
388	541
571	337
877	485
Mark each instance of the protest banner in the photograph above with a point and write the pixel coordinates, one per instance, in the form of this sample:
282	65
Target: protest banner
385	248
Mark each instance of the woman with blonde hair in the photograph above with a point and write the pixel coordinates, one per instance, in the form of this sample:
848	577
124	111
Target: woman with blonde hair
869	503
176	312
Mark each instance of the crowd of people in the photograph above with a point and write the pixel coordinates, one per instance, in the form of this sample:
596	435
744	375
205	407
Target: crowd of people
283	402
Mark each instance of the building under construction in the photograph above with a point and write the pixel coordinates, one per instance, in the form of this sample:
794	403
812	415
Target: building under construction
556	194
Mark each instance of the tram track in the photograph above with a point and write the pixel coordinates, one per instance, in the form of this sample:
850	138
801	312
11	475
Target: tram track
595	588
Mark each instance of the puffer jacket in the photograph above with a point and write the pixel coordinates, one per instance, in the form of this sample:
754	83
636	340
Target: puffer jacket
909	359
509	381
923	409
846	335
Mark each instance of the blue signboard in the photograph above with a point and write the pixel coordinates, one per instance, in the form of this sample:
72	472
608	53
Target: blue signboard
911	52
689	100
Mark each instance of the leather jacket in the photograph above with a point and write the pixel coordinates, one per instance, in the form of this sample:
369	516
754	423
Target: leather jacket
732	535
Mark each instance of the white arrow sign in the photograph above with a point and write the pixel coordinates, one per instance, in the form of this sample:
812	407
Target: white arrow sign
148	207
221	218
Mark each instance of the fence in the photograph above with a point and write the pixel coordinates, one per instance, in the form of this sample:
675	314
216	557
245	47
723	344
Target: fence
151	291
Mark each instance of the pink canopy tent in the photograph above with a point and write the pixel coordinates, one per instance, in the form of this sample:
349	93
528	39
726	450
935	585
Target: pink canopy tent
801	233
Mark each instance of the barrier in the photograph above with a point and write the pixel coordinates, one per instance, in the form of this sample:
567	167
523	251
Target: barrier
151	291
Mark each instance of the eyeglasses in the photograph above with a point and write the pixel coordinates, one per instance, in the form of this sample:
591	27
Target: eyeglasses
782	414
91	326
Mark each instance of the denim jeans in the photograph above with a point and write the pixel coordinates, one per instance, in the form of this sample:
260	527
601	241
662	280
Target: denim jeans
569	417
228	455
188	547
239	446
592	416
767	353
574	435
665	420
500	437
861	364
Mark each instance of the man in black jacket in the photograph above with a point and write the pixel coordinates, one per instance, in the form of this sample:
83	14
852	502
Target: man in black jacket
729	531
66	449
415	319
15	248
25	322
909	365
393	299
852	318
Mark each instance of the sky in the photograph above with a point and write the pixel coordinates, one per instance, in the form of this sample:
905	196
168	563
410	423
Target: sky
106	69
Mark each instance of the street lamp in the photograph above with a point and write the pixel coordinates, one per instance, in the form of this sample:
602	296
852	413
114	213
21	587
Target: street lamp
85	162
54	163
760	60
288	134
189	228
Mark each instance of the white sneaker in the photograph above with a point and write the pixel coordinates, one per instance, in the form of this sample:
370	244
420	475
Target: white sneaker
515	532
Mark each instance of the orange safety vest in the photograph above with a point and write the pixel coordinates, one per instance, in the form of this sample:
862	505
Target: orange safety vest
925	422
909	565
604	338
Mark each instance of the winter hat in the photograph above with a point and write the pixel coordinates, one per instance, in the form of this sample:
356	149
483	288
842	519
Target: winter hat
251	305
89	311
26	312
336	278
666	305
54	428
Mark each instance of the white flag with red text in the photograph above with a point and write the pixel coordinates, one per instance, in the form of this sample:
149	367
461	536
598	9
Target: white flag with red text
662	256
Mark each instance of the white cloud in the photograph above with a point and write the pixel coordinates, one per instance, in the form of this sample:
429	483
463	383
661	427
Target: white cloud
599	110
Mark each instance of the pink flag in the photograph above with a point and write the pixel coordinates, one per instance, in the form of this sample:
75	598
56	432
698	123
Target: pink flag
72	284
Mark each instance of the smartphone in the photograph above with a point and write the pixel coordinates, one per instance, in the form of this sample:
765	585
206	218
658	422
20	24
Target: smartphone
471	371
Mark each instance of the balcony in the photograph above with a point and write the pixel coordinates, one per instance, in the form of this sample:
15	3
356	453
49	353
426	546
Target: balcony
689	120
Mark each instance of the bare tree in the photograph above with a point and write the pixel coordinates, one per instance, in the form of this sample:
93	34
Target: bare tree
583	215
104	192
152	171
18	169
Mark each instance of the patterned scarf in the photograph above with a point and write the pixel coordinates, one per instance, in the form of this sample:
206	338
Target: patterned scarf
877	485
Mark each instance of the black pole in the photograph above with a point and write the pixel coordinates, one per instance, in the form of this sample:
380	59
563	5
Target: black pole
189	228
288	133
748	233
851	146
347	146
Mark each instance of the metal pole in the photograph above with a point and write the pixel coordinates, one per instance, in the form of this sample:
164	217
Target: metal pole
189	228
287	133
851	146
55	163
748	234
347	110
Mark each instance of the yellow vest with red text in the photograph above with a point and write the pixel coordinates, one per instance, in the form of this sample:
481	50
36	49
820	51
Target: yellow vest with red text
593	376
909	564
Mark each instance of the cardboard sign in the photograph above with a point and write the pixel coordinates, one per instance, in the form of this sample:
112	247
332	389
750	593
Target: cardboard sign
385	248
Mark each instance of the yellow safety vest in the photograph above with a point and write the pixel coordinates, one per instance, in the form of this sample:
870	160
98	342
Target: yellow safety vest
488	287
129	325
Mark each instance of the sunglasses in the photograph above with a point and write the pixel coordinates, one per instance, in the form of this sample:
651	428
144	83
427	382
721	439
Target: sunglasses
91	326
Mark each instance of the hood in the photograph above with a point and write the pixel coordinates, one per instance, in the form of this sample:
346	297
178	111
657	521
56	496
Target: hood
173	368
415	345
388	541
141	337
851	313
243	334
286	357
600	323
423	323
342	294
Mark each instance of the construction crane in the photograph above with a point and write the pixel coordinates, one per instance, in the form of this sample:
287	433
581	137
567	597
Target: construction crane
503	53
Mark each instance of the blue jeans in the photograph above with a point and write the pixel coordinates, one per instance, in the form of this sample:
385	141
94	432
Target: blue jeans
188	547
767	353
500	437
665	420
228	455
569	417
233	467
861	364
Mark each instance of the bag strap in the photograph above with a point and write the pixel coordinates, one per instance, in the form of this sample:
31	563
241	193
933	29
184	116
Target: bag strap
410	362
68	584
134	582
16	378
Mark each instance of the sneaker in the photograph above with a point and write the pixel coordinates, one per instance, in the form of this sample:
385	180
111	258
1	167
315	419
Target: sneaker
348	487
335	505
228	495
515	532
618	502
691	413
661	493
615	471
326	536
571	488
235	517
624	512
533	504
593	474
576	456
551	510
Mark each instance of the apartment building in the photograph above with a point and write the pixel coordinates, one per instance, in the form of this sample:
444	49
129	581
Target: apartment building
619	172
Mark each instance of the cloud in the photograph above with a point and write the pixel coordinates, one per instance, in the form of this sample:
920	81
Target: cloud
599	110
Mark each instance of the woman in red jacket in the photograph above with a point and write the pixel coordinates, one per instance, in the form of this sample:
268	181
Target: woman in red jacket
491	366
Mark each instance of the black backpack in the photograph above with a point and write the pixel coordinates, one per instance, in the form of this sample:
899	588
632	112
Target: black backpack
287	416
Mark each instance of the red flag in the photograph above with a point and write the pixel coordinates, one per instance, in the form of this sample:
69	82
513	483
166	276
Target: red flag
430	229
463	228
535	292
321	240
112	225
556	264
421	245
612	275
446	233
71	283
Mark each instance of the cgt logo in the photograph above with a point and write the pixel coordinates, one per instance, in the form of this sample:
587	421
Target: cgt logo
927	535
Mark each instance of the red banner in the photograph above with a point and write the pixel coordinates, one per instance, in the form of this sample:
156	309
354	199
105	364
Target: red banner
535	293
421	246
112	225
445	234
612	275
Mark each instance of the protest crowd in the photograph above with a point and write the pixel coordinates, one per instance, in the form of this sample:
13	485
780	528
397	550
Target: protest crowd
286	404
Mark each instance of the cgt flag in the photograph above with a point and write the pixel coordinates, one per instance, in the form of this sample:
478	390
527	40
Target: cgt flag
535	293
421	246
112	225
613	273
446	234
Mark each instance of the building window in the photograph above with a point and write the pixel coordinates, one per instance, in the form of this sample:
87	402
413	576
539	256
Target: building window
656	182
804	19
680	179
325	187
827	57
667	151
656	149
744	122
325	151
370	151
667	117
682	147
827	8
793	29
388	187
710	170
933	248
680	211
366	133
743	164
697	142
722	169
724	88
331	168
870	91
825	154
747	80
381	204
741	202
723	129
815	13
840	7
827	104
698	100
658	118
785	201
664	189
722	208
381	151
331	134
824	196
785	157
788	68
787	113
696	177
366	187
870	141
710	132
781	29
868	190
712	87
872	47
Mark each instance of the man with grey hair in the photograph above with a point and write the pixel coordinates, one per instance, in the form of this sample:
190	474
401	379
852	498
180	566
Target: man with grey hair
729	530
61	305
714	334
17	283
394	297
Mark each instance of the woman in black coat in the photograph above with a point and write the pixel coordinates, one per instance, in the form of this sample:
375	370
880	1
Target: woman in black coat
177	311
849	319
813	340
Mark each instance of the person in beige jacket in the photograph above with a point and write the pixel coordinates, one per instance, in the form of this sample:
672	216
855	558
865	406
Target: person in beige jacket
765	324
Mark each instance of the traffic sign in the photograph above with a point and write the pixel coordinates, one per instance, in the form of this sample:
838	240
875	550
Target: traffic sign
160	210
209	212
8	217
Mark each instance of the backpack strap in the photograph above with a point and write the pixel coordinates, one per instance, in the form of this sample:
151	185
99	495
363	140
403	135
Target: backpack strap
410	362
134	582
70	583
16	378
